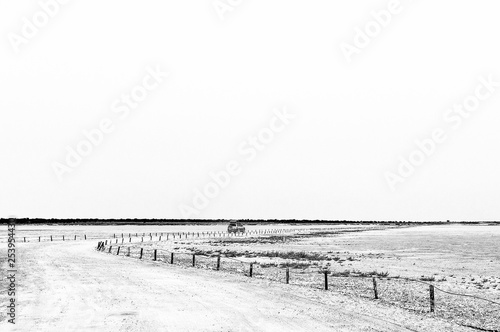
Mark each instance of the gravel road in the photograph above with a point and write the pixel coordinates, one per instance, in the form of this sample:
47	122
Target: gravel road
68	286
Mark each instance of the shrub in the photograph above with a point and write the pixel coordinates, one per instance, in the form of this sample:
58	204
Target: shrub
424	278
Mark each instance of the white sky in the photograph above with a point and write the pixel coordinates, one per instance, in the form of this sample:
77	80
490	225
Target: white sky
353	120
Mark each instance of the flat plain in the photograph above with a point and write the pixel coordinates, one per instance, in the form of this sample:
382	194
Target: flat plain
68	285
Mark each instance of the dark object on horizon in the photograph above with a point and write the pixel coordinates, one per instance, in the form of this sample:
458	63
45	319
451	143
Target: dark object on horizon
235	227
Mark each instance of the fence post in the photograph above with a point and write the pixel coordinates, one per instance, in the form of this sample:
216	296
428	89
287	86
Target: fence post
129	239
159	238
287	275
39	239
118	251
140	255
218	263
154	255
251	270
85	236
171	258
375	288
194	259
110	249
75	237
106	243
128	252
142	239
114	236
326	280
431	293
25	239
51	238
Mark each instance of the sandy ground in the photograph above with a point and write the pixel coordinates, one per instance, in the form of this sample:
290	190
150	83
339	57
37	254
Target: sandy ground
67	286
462	258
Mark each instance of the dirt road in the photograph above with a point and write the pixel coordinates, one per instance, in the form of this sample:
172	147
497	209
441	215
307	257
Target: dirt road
68	286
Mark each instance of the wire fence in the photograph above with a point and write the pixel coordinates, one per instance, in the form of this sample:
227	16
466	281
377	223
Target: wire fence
157	236
162	236
411	294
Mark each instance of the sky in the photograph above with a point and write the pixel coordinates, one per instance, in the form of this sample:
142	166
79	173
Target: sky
284	109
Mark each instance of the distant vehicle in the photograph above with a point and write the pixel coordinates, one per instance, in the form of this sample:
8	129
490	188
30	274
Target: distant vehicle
235	227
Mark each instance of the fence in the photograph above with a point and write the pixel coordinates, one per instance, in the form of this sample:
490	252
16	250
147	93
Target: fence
162	236
152	236
158	236
410	294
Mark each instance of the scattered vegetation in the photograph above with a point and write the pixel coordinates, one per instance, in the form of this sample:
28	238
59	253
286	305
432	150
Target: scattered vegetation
357	273
298	255
424	278
293	265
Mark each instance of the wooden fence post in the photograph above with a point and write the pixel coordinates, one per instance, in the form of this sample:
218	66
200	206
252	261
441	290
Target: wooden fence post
110	249
218	263
39	240
287	275
25	239
75	237
154	255
128	252
51	238
251	270
106	243
326	280
375	288
118	251
85	236
194	259
431	293
171	258
140	255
